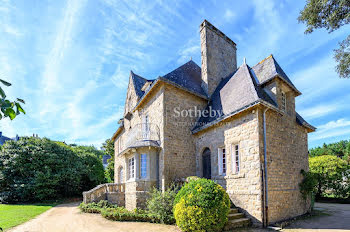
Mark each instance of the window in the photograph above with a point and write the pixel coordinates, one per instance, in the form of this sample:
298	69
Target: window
222	161
284	101
143	167
132	168
235	158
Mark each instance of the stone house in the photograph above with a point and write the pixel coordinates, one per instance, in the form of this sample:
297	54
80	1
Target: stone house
235	125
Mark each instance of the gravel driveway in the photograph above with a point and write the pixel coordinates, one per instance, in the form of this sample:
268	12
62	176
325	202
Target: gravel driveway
67	218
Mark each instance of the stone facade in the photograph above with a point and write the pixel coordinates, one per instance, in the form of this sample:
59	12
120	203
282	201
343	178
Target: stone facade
158	142
218	56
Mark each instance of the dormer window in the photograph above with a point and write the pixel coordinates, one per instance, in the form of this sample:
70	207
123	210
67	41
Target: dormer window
284	101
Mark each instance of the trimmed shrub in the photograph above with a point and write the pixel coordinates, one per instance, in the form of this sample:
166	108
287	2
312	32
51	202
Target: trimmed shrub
162	204
95	207
122	214
201	205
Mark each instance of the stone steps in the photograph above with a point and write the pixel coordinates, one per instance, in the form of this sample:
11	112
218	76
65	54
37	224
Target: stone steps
236	220
232	216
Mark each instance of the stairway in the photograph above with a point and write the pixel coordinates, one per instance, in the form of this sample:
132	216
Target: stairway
236	219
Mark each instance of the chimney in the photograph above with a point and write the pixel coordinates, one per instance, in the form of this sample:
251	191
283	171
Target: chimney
218	56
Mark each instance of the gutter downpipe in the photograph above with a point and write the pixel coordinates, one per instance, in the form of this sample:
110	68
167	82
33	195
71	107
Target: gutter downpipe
265	171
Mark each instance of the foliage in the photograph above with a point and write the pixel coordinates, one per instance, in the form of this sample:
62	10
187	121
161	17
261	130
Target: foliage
109	171
201	205
122	214
95	207
308	184
331	15
340	149
108	148
93	173
162	204
332	174
342	56
13	215
115	213
8	107
35	169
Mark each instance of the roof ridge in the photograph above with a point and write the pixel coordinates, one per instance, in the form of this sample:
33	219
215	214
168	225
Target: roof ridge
247	68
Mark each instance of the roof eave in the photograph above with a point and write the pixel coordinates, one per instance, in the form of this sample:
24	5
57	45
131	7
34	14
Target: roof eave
120	128
247	107
162	79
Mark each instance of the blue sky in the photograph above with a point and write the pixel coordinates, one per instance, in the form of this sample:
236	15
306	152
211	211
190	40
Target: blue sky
70	60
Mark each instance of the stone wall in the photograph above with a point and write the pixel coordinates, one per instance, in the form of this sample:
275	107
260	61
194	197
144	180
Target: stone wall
179	147
244	188
218	56
287	155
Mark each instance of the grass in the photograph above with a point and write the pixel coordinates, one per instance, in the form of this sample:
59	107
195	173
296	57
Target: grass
13	215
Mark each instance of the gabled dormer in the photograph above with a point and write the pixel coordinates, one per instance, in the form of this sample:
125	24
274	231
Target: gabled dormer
276	84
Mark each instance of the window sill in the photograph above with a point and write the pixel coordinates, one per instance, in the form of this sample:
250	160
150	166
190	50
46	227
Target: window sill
235	176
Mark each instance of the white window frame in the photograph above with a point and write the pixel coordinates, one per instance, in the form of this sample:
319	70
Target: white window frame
131	167
284	101
222	161
143	169
235	158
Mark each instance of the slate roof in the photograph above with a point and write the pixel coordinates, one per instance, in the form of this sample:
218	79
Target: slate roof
268	68
242	89
234	93
187	76
139	82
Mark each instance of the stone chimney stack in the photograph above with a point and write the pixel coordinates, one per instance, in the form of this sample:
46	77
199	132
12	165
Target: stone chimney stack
218	56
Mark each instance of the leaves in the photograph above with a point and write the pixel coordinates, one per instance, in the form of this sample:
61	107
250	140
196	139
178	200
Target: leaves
7	107
5	82
35	169
342	56
331	15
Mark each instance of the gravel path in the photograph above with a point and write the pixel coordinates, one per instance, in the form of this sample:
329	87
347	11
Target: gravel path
68	218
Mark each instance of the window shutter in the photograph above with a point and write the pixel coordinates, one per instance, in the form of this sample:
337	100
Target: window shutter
220	161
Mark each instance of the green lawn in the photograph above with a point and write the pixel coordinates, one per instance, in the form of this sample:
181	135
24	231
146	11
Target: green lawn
12	215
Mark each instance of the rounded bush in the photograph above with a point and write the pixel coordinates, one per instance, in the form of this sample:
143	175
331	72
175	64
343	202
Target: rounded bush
201	205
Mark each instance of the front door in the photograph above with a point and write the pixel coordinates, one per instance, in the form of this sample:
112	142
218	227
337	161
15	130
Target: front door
206	161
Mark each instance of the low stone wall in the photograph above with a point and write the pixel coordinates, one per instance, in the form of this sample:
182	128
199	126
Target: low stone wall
113	192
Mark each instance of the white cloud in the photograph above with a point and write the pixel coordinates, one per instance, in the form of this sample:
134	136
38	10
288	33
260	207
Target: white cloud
340	127
62	42
229	15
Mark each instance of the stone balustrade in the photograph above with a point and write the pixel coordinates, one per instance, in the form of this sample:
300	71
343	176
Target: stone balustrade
112	192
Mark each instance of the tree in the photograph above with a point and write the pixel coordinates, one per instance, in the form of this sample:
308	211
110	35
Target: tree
108	147
8	107
35	169
332	175
331	15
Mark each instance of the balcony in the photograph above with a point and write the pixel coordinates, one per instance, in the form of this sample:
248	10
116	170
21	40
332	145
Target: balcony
143	135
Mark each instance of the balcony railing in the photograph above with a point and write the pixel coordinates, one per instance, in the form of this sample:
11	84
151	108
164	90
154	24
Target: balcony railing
141	134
